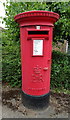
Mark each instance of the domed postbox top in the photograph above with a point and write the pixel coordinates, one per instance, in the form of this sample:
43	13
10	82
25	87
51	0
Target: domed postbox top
39	17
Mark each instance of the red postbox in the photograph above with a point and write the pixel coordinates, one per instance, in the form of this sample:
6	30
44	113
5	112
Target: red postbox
36	29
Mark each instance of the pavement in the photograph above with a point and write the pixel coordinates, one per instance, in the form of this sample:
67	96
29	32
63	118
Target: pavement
0	111
30	113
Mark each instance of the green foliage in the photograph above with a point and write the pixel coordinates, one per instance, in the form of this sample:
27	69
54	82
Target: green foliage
60	74
62	26
57	90
11	61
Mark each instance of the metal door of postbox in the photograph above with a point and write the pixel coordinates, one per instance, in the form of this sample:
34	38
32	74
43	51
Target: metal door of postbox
36	62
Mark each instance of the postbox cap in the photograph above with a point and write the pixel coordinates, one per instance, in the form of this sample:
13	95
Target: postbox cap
36	17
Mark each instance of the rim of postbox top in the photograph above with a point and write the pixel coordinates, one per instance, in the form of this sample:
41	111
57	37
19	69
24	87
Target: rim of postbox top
31	15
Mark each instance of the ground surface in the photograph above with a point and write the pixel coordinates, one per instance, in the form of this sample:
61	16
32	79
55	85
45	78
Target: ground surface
12	106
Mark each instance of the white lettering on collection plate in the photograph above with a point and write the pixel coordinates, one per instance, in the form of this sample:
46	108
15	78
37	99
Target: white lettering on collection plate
37	47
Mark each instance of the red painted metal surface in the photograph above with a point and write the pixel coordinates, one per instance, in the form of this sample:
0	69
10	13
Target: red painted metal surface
36	69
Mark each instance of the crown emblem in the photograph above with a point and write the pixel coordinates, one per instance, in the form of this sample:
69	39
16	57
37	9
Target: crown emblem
37	69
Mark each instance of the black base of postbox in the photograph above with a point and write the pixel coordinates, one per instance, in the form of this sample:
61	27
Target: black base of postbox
35	102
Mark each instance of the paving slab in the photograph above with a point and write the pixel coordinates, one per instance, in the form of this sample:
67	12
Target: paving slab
47	113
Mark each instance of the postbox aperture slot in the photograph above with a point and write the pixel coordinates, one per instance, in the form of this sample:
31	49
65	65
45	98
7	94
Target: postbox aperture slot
37	47
38	32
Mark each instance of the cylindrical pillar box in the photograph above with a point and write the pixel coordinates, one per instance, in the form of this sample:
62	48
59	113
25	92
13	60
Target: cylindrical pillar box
36	29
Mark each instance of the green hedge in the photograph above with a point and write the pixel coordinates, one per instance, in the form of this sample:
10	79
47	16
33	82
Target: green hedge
60	74
11	67
11	64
